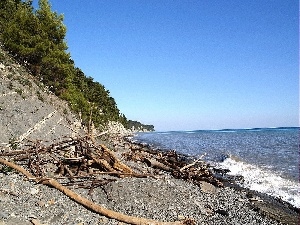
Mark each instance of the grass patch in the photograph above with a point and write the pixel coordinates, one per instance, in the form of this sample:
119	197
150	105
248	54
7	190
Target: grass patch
40	96
6	169
13	143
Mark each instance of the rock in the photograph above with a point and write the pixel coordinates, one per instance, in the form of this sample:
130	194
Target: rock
32	216
209	211
2	67
181	217
103	220
17	221
56	218
36	222
41	203
34	191
3	215
222	212
207	187
116	128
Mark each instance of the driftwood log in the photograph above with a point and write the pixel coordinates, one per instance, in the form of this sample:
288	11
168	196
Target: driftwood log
89	204
80	161
170	161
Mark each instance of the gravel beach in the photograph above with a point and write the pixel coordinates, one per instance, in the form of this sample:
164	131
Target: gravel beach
161	197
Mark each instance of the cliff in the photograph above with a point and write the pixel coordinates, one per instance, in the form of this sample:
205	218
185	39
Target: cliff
28	111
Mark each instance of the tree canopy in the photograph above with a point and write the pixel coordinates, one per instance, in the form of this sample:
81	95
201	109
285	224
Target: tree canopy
36	39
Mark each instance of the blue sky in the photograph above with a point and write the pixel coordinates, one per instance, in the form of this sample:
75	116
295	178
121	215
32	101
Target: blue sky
187	65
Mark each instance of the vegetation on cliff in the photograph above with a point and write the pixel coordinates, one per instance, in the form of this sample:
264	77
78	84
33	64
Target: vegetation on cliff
135	125
36	39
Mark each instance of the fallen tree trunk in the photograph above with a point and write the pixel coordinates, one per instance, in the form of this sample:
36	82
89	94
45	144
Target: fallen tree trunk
117	164
157	165
91	205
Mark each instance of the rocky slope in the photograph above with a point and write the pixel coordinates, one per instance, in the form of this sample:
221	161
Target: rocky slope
27	110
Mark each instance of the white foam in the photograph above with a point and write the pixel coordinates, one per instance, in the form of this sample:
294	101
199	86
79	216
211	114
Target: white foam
264	181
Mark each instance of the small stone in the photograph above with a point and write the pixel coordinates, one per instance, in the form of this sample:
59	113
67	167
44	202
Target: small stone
208	212
56	218
207	187
32	216
103	220
3	215
121	223
41	203
37	222
79	219
51	202
222	212
34	191
181	217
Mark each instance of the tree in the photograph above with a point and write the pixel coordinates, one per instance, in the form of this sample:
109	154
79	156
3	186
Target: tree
7	11
36	38
56	65
20	32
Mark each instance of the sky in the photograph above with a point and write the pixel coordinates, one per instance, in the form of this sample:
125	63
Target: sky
191	64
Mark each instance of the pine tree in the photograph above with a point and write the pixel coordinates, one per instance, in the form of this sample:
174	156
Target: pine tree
37	40
7	11
20	32
56	65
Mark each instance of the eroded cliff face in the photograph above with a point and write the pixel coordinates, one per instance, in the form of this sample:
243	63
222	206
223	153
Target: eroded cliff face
28	111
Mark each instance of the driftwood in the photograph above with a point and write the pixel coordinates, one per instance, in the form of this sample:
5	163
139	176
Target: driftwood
192	164
117	164
176	164
80	162
89	204
71	157
157	165
35	222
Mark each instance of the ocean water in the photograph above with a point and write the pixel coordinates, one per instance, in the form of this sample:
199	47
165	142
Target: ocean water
267	158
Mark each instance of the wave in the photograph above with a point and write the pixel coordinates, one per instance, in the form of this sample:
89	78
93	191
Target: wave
263	180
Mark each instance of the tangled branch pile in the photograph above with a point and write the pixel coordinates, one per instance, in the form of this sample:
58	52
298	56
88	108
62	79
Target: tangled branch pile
73	158
171	161
79	162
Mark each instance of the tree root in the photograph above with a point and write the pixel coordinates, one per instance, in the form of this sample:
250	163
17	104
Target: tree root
91	205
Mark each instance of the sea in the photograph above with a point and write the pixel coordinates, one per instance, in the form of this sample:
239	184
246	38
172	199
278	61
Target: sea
267	158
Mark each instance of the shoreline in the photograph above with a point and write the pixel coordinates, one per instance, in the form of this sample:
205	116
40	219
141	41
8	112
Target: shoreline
265	161
159	196
271	206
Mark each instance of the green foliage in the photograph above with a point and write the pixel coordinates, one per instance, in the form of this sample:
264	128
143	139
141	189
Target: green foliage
19	91
24	81
10	86
6	169
13	143
20	33
40	96
139	126
36	39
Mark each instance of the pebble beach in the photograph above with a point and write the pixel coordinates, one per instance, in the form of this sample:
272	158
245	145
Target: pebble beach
160	197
